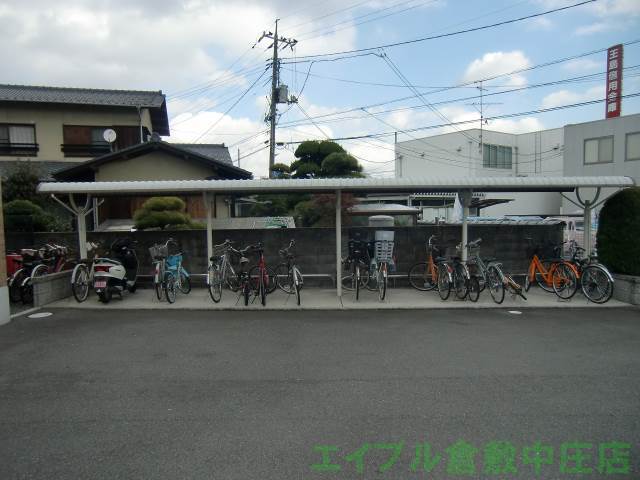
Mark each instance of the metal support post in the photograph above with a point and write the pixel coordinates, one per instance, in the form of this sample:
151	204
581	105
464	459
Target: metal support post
465	199
339	242
206	198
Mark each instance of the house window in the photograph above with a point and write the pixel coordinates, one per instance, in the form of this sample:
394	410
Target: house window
598	150
88	141
632	146
496	156
18	140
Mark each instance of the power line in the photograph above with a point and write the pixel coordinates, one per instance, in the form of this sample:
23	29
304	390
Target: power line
396	100
459	32
331	28
495	117
230	108
444	102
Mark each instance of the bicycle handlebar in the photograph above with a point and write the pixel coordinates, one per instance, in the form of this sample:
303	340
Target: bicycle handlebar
475	243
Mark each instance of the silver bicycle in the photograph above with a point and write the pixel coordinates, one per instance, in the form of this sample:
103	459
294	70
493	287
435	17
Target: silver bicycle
220	270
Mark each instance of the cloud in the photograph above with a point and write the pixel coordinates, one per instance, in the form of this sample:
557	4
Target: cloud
583	65
148	44
540	23
610	15
597	27
568	97
521	125
496	63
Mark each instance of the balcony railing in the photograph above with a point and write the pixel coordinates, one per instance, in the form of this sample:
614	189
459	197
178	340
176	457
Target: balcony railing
85	150
19	149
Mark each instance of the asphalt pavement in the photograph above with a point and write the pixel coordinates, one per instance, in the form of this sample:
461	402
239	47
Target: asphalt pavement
406	394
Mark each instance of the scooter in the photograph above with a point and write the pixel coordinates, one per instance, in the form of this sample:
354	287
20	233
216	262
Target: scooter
117	274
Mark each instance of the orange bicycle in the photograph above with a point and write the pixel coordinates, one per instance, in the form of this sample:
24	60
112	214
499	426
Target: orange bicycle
423	276
552	275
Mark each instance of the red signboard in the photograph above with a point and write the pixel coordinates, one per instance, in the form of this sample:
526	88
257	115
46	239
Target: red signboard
614	81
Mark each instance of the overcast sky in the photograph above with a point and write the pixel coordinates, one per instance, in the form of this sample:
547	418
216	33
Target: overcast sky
199	53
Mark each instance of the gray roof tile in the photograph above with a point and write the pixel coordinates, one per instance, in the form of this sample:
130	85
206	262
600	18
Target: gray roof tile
212	150
81	96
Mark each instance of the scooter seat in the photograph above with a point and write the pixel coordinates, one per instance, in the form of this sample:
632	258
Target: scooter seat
107	260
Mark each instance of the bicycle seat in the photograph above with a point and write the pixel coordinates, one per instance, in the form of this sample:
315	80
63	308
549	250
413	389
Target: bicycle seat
440	259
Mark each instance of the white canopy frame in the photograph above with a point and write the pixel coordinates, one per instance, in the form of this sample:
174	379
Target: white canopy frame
80	212
462	186
588	206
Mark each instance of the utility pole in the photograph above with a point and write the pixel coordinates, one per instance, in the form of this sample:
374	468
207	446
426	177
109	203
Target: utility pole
482	120
238	157
276	95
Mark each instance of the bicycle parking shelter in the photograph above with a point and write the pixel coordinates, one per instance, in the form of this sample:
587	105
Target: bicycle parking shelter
462	186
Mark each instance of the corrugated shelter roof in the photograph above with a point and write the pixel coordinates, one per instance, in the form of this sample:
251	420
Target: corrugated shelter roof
153	100
483	184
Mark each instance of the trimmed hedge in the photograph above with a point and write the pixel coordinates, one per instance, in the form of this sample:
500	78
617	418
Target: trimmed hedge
26	216
619	232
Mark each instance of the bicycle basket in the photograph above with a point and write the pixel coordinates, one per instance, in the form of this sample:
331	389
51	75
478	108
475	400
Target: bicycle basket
158	251
173	261
474	252
383	250
220	250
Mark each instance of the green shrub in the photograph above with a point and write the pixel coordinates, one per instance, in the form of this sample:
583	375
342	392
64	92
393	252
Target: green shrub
159	204
619	232
26	216
163	213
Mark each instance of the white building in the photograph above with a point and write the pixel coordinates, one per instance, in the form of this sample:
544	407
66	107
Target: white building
559	151
602	147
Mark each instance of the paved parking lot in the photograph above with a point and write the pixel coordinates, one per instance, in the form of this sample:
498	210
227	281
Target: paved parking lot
260	395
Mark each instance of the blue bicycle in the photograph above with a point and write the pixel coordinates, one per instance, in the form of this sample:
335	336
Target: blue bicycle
170	275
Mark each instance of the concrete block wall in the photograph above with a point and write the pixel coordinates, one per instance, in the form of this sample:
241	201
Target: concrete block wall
627	289
49	288
316	246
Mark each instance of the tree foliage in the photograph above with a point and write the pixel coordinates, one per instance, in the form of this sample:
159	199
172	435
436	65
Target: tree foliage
20	184
322	159
280	170
26	216
619	231
320	210
341	165
163	213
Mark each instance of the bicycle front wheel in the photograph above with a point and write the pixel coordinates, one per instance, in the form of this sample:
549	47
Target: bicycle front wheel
170	287
297	283
185	282
421	278
564	281
157	282
596	284
15	285
444	283
474	289
262	290
382	281
80	282
460	281
284	280
541	278
214	282
496	287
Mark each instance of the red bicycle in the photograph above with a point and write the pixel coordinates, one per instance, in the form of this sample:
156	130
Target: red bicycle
36	263
262	278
